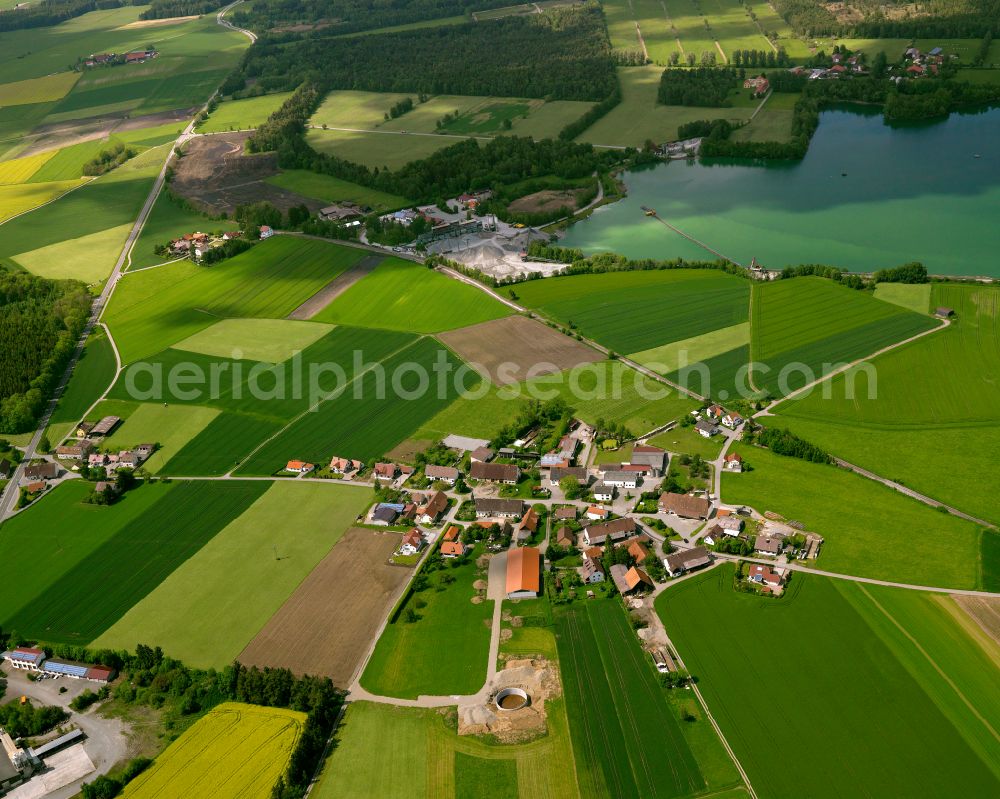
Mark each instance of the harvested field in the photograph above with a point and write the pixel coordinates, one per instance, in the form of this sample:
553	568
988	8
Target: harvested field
516	348
408	450
984	611
542	202
326	625
341	283
216	175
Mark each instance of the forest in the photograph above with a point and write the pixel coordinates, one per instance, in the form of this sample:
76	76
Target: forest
946	19
40	321
704	86
348	16
165	9
561	55
52	12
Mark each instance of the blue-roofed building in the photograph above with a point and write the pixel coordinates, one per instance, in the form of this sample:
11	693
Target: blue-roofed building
25	658
78	671
936	51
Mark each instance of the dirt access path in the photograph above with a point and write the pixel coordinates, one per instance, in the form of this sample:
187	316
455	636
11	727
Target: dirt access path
341	283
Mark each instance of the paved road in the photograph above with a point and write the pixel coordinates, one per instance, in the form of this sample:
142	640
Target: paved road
227	24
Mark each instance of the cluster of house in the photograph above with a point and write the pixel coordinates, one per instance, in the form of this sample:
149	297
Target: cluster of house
195	245
619	533
420	509
919	65
645	462
714	415
33	660
344	212
111	59
759	85
438	226
491	511
112	461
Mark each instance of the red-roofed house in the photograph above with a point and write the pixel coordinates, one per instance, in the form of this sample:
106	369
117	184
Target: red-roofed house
413	542
453	549
299	467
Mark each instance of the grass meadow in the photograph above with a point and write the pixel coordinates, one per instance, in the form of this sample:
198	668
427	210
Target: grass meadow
92	375
334	190
937	397
403	295
377	149
854	690
157	308
870	530
626	740
235	751
636	311
785	329
271	340
240	578
96	590
17	199
445	651
243	114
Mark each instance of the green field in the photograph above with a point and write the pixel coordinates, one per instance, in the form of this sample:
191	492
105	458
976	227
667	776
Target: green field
626	739
915	296
236	751
20	170
772	123
427	758
17	199
334	190
877	706
446	650
221	446
77	604
636	311
377	149
271	340
870	530
243	114
37	90
686	440
88	258
790	349
606	390
369	421
170	426
950	419
212	605
403	295
154	309
92	375
639	118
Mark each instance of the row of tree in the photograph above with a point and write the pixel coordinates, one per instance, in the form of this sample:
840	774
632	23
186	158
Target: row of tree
564	54
760	58
109	159
784	442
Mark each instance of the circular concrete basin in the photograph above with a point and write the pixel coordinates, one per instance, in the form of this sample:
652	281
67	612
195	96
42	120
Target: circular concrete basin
511	699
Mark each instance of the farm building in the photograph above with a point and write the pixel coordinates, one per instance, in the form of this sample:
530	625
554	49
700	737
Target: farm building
524	567
637	549
78	671
482	454
730	525
41	471
617	530
653	457
452	533
446	474
506	473
565	513
386	513
629	580
944	313
685	505
25	658
528	523
578	473
75	452
501	508
35	487
103	427
621	479
686	560
342	212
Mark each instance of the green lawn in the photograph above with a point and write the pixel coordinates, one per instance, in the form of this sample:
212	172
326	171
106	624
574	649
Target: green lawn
638	311
271	340
870	530
376	149
243	114
47	543
790	349
446	649
91	377
626	740
170	426
606	390
154	309
684	440
937	396
866	703
334	190
207	610
99	588
88	258
403	295
915	296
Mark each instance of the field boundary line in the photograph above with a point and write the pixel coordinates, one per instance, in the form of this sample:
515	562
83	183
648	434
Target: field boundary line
47	202
400	133
937	668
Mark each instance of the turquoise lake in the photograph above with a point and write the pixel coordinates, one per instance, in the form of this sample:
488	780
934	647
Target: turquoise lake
866	196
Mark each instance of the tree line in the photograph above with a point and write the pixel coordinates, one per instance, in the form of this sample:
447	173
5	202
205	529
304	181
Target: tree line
562	55
784	442
760	58
40	321
950	19
704	86
165	9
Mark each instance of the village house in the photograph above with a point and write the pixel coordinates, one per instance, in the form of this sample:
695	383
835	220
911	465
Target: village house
431	510
446	474
385	471
340	465
41	471
733	462
765	575
715	411
452	533
706	429
637	549
266	231
592	570
524	573
528	525
629	580
597	514
621	479
341	212
732	420
453	549
759	85
685	505
7	468
296	467
506	473
35	487
412	543
96	459
482	454
565	513
578	473
768	545
386	513
498	508
617	530
652	457
730	525
75	452
565	537
104	487
686	560
604	492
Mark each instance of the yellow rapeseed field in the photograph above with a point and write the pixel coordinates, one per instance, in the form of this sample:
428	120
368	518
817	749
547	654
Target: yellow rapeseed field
38	90
237	751
20	169
16	200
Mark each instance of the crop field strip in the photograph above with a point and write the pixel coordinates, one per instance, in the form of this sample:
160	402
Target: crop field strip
91	377
101	587
212	605
236	751
873	698
784	329
957	414
867	526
